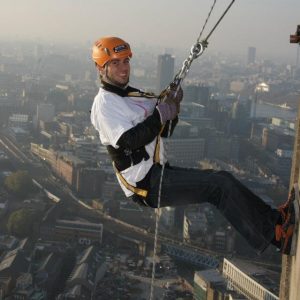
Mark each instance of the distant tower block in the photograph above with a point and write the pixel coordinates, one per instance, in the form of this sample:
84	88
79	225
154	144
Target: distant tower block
165	71
45	112
251	55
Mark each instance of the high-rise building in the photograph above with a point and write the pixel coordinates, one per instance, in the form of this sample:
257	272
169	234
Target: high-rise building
38	51
195	222
45	112
165	71
196	93
219	146
252	281
185	152
168	216
251	55
203	95
210	285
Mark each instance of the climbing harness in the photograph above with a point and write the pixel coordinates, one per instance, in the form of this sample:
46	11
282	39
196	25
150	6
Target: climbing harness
156	159
141	192
196	50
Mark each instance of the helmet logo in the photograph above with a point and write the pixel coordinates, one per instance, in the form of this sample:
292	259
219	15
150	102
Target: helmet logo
120	48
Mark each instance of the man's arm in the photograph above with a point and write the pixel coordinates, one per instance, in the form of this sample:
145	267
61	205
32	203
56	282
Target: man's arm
141	134
146	131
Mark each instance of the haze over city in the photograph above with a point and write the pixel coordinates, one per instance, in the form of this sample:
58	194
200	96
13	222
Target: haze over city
67	229
265	25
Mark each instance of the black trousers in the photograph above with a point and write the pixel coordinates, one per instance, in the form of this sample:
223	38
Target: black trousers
246	212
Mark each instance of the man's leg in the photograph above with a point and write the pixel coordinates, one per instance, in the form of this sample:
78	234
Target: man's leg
249	214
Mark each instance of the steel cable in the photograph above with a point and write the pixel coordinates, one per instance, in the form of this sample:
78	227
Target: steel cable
195	52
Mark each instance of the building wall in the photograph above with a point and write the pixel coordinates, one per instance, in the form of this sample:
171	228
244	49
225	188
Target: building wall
165	71
90	182
281	166
222	147
194	222
74	233
200	123
244	284
63	167
45	112
111	189
196	93
251	55
86	151
6	285
211	287
185	152
45	154
290	275
200	288
65	170
272	139
168	216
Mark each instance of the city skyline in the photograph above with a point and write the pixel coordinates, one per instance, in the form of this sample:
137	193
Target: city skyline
69	230
179	25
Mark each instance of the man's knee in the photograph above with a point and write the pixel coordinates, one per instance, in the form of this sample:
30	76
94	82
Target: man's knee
224	179
225	174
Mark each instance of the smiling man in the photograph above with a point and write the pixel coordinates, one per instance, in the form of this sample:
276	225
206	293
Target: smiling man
133	124
114	67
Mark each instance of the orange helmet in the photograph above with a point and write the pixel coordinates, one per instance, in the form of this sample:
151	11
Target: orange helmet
108	48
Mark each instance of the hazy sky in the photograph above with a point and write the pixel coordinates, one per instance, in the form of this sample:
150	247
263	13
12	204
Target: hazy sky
265	24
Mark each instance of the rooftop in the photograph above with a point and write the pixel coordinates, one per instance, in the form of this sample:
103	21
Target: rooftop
210	275
267	278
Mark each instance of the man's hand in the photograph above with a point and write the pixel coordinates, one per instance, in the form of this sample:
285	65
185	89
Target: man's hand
167	111
175	93
170	106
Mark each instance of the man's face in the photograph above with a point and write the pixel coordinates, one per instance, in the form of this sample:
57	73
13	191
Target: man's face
117	71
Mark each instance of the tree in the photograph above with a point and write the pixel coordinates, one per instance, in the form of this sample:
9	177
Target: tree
20	183
20	222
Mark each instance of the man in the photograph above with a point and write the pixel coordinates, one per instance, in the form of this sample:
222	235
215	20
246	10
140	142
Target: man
131	123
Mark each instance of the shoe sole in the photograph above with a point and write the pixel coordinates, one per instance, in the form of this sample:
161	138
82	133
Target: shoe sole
296	204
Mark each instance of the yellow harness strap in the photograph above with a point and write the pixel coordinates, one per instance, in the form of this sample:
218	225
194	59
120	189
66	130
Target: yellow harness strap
135	190
141	94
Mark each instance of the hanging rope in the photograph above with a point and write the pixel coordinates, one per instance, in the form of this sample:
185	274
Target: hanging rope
196	50
204	25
